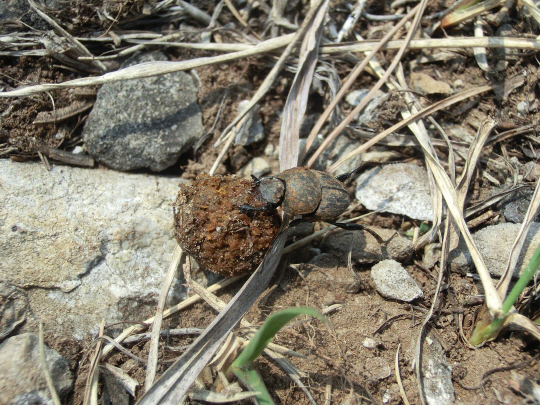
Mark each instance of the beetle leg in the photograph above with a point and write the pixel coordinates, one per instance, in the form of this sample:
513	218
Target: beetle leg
248	208
356	227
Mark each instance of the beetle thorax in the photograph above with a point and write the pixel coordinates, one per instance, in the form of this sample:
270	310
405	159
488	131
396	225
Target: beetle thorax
272	190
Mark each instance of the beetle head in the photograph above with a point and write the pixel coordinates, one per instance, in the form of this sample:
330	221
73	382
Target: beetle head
272	190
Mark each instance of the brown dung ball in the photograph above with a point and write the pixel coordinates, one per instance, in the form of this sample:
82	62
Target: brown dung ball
210	226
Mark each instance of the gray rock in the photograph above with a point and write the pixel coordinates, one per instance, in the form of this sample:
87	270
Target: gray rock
400	189
531	171
85	244
495	253
252	129
365	248
257	167
437	373
370	111
23	381
144	123
516	205
392	281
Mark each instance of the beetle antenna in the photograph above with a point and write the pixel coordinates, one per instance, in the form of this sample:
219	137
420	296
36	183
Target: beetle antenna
363	166
356	227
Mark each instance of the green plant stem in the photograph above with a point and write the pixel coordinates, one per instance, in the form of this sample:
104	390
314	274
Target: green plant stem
488	332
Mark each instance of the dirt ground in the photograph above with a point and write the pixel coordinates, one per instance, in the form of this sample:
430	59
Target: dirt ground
336	358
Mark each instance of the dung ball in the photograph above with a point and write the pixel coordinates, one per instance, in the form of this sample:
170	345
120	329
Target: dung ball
210	226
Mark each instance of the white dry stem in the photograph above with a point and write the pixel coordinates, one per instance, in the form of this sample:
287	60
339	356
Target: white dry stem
91	388
158	317
171	311
150	69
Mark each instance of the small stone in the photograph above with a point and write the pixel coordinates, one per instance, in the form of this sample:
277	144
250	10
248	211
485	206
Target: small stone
392	281
77	150
432	254
252	130
257	167
425	84
370	111
378	367
531	171
23	380
458	83
436	373
522	107
369	343
400	189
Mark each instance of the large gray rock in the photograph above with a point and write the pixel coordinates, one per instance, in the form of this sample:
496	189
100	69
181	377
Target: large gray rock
144	123
22	380
402	189
85	244
495	243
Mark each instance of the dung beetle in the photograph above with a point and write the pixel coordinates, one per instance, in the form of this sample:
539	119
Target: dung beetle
315	195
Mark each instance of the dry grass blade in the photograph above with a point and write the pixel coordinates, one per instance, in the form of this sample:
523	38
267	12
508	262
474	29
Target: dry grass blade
519	322
150	69
480	53
419	130
398	378
420	114
173	310
452	42
470	12
365	100
272	76
50	384
156	327
177	380
296	103
349	82
215	398
91	388
470	165
504	282
493	300
533	8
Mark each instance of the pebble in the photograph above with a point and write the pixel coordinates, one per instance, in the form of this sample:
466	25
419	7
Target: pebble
523	107
252	130
85	244
437	373
23	381
392	281
400	189
144	123
369	343
378	367
257	167
370	111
